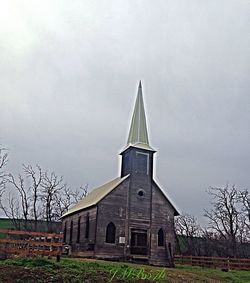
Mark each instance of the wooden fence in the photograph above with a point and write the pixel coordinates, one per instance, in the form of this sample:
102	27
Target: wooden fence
27	243
214	262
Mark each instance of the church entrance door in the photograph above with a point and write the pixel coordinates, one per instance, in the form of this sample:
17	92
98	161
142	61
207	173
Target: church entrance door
139	242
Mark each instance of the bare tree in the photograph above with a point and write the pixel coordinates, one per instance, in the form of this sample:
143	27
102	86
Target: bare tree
244	197
187	227
80	193
36	176
36	195
186	224
52	187
11	209
3	157
224	216
3	163
24	194
67	198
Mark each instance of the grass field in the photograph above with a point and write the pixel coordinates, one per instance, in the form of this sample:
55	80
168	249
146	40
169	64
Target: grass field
5	224
83	270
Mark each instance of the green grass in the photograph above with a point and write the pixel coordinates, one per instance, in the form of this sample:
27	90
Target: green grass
83	270
5	224
216	274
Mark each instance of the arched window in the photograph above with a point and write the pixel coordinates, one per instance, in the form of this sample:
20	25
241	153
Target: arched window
87	227
65	232
78	230
110	233
71	232
160	238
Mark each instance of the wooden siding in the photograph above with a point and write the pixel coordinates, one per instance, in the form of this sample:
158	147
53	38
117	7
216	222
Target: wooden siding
84	243
113	208
162	217
130	163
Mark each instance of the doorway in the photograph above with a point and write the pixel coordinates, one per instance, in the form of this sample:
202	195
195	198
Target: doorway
139	242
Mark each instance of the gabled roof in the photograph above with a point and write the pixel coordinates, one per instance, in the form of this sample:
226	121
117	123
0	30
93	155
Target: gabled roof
138	134
176	213
96	195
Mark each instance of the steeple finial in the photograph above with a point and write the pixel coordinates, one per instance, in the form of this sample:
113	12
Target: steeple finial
138	134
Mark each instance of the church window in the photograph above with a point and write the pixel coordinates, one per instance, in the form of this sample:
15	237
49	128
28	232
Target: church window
160	238
142	162
65	232
87	227
110	233
71	232
140	193
78	230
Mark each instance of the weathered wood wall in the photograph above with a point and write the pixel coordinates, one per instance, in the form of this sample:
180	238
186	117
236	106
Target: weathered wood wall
85	243
113	208
137	203
162	217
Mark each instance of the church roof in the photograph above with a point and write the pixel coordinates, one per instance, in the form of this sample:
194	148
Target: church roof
176	212
138	134
96	195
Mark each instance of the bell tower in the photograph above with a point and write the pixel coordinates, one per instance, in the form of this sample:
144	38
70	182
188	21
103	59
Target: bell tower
137	157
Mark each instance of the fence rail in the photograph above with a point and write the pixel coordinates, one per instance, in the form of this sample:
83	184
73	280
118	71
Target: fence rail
27	243
29	233
214	262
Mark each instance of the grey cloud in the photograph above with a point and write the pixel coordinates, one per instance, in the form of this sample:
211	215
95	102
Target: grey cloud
69	74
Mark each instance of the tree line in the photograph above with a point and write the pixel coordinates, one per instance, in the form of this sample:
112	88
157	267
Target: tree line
34	195
228	229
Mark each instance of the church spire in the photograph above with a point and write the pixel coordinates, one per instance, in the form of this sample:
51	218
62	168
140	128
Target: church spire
138	134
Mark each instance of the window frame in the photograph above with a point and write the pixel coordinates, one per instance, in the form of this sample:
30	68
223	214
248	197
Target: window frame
160	238
71	232
78	230
87	227
147	162
112	226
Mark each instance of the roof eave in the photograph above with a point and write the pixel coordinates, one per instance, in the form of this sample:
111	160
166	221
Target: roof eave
176	212
77	211
74	210
137	145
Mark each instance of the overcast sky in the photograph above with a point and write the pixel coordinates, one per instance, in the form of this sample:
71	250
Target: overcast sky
69	72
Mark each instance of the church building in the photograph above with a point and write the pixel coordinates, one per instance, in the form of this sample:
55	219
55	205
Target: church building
130	217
